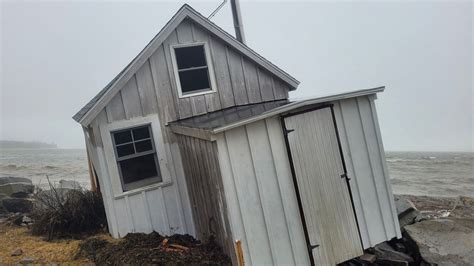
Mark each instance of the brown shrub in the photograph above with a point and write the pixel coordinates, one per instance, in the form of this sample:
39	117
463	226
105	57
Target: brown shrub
67	213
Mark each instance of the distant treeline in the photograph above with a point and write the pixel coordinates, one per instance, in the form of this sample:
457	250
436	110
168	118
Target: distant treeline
9	144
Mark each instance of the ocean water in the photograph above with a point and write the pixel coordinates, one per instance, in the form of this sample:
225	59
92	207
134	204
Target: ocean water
432	173
413	173
38	164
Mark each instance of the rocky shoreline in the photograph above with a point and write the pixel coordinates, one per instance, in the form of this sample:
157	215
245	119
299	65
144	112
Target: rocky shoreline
435	231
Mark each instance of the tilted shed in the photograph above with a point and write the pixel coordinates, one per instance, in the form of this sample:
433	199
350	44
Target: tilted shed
197	135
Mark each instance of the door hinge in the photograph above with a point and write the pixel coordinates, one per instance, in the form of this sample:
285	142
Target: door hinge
288	131
345	176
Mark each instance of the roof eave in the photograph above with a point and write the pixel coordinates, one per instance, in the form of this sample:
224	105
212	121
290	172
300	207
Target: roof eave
299	104
184	12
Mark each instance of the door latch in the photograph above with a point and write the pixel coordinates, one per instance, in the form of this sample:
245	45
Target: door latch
345	176
288	131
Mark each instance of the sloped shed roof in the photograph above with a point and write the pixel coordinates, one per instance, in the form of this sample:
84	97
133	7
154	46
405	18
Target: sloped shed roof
226	119
93	107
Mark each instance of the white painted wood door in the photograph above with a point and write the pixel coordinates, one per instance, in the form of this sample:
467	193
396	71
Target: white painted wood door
323	191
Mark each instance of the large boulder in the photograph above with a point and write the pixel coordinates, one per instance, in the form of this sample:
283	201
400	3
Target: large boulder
386	253
444	241
17	205
11	179
17	189
406	210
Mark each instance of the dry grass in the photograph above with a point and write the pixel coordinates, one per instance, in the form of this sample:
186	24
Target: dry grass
57	251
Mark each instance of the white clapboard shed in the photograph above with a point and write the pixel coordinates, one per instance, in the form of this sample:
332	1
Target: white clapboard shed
197	136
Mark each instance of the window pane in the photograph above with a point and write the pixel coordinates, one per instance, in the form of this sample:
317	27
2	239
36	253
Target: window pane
124	150
122	137
138	168
141	133
193	56
144	145
194	80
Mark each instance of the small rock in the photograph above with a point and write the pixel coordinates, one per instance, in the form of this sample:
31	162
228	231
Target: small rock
400	247
14	188
17	252
368	257
391	262
10	179
17	205
384	251
27	260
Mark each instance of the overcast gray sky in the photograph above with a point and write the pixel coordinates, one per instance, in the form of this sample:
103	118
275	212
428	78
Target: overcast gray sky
55	56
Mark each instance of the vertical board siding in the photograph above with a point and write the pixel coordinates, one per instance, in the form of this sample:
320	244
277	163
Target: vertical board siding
182	106
280	89
287	190
372	195
164	90
139	213
131	99
384	166
249	196
206	191
266	85
114	109
251	81
260	195
269	192
221	71
146	89
237	77
376	163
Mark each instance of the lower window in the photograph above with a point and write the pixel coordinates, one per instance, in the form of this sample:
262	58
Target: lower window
136	157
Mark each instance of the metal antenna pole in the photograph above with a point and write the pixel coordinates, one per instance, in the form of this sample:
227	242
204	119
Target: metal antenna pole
238	25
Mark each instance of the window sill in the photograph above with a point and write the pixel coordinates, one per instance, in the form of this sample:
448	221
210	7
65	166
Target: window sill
142	189
197	93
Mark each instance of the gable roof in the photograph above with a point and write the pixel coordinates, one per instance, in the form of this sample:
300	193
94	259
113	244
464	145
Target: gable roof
96	104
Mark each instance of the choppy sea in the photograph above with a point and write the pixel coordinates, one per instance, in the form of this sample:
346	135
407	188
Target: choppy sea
413	173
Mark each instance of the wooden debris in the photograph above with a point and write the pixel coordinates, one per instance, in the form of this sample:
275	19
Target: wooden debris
164	243
240	253
181	247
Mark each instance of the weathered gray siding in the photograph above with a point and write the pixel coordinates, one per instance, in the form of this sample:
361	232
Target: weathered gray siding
239	80
260	195
165	209
206	192
366	166
152	90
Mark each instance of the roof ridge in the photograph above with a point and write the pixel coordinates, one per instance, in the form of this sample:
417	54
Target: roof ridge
184	12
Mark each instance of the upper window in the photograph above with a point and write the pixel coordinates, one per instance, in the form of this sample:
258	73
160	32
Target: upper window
193	69
136	157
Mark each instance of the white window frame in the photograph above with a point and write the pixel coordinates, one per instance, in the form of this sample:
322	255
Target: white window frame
210	69
106	131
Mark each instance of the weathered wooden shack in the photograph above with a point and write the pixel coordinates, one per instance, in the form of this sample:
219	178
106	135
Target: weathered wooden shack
197	135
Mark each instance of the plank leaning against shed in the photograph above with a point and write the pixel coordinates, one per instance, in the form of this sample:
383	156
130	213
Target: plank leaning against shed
197	136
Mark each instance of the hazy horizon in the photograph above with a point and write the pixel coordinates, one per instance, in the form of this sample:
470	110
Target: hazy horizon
55	56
